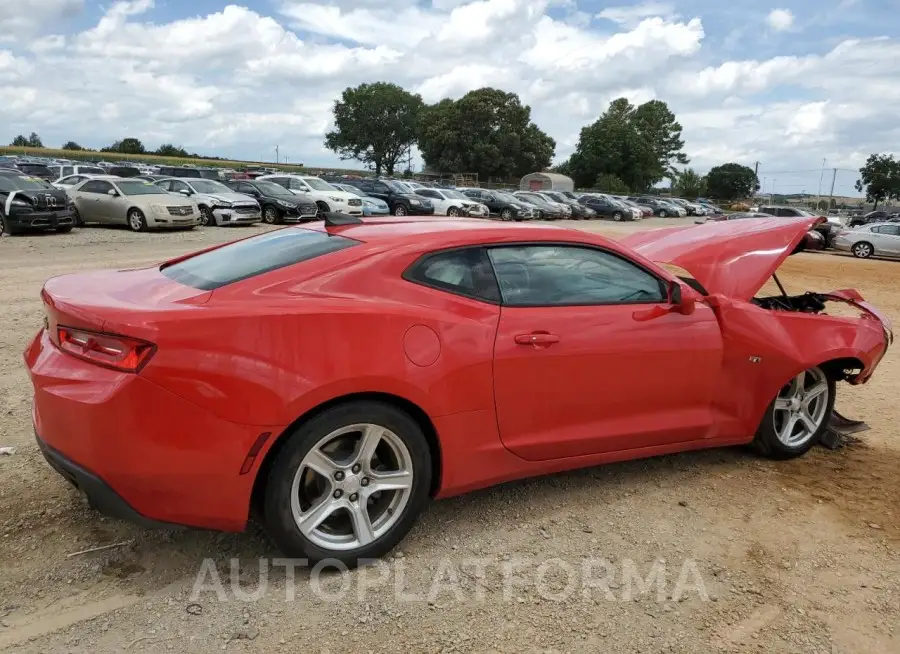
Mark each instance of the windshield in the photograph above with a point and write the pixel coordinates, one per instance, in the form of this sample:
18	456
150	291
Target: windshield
23	183
507	197
454	195
318	185
271	188
351	189
209	186
135	187
397	187
534	199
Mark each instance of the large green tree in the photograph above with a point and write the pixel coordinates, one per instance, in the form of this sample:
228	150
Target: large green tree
171	150
30	141
129	145
71	145
640	145
731	181
879	178
488	132
375	124
689	184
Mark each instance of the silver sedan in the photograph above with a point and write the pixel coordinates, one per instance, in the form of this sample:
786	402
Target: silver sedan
881	239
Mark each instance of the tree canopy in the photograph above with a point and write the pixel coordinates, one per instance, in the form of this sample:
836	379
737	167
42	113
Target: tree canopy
640	145
731	181
375	124
71	145
170	150
879	178
30	141
129	145
689	184
488	132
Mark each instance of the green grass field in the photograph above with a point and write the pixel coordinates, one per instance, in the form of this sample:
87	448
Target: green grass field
83	155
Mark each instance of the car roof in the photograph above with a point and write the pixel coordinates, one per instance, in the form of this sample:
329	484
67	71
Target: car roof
438	232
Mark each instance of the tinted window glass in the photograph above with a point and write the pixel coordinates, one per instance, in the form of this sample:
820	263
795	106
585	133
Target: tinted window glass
254	256
464	272
560	275
95	186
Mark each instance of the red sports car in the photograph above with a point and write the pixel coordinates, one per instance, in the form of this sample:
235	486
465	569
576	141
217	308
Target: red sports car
335	377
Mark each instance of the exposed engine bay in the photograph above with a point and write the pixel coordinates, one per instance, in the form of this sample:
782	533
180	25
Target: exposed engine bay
809	302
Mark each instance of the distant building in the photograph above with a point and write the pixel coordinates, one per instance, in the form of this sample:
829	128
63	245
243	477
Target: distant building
546	182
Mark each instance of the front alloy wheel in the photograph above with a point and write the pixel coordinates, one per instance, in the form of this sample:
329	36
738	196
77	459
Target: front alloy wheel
270	215
617	216
206	217
662	213
506	214
453	211
400	210
349	484
136	221
797	416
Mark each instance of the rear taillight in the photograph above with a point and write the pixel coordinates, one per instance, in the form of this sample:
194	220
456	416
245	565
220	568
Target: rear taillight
108	350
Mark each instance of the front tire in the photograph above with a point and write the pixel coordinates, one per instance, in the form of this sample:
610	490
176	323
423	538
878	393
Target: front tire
137	222
617	216
453	212
400	210
64	230
506	214
348	484
76	218
862	250
662	213
206	217
797	417
322	208
271	216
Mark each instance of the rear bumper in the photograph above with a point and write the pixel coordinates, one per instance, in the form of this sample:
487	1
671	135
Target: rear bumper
138	449
100	495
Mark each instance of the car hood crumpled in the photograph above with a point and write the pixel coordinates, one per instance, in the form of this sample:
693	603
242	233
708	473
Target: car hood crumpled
734	258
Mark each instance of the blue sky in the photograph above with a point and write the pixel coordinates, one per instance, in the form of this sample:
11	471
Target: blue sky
787	84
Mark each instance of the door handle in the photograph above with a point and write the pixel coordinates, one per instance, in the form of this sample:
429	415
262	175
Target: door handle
537	339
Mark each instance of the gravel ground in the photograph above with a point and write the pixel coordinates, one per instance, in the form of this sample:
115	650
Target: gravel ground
751	555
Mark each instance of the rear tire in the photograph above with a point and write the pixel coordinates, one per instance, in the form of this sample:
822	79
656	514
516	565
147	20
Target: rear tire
317	468
779	438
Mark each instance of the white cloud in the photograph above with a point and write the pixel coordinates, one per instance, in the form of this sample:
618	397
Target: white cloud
780	20
634	14
235	82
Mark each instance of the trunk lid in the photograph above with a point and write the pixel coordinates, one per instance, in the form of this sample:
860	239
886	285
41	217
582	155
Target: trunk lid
734	258
123	301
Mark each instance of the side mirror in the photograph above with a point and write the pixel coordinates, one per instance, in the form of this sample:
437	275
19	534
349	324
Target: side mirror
683	303
185	192
112	193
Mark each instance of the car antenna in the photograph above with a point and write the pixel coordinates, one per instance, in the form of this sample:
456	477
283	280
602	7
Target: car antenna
337	219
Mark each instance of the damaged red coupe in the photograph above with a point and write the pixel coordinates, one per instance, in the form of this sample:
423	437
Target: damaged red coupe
333	378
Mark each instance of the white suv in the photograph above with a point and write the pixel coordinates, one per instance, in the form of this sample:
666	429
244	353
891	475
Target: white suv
326	196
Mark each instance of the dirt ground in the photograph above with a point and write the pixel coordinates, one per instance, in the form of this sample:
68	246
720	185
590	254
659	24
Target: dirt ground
792	557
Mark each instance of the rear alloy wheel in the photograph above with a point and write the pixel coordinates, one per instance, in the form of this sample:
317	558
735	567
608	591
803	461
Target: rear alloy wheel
136	221
797	416
400	210
617	216
453	211
206	217
348	484
863	250
270	215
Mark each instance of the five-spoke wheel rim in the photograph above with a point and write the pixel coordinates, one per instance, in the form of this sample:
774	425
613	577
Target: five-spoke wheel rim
800	408
136	220
351	487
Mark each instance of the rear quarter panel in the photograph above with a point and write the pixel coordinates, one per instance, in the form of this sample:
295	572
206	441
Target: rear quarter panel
266	354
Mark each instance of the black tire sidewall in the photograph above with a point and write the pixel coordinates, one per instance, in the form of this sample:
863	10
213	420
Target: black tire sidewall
143	226
506	214
278	518
863	256
766	440
400	210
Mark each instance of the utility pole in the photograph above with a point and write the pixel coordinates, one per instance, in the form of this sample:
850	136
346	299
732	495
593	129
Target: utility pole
819	192
756	169
276	155
831	194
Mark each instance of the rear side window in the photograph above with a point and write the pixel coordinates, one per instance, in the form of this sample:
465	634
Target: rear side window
254	256
464	272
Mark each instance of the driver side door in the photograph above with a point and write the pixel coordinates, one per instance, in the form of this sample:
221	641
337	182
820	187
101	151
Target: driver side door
92	201
579	369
